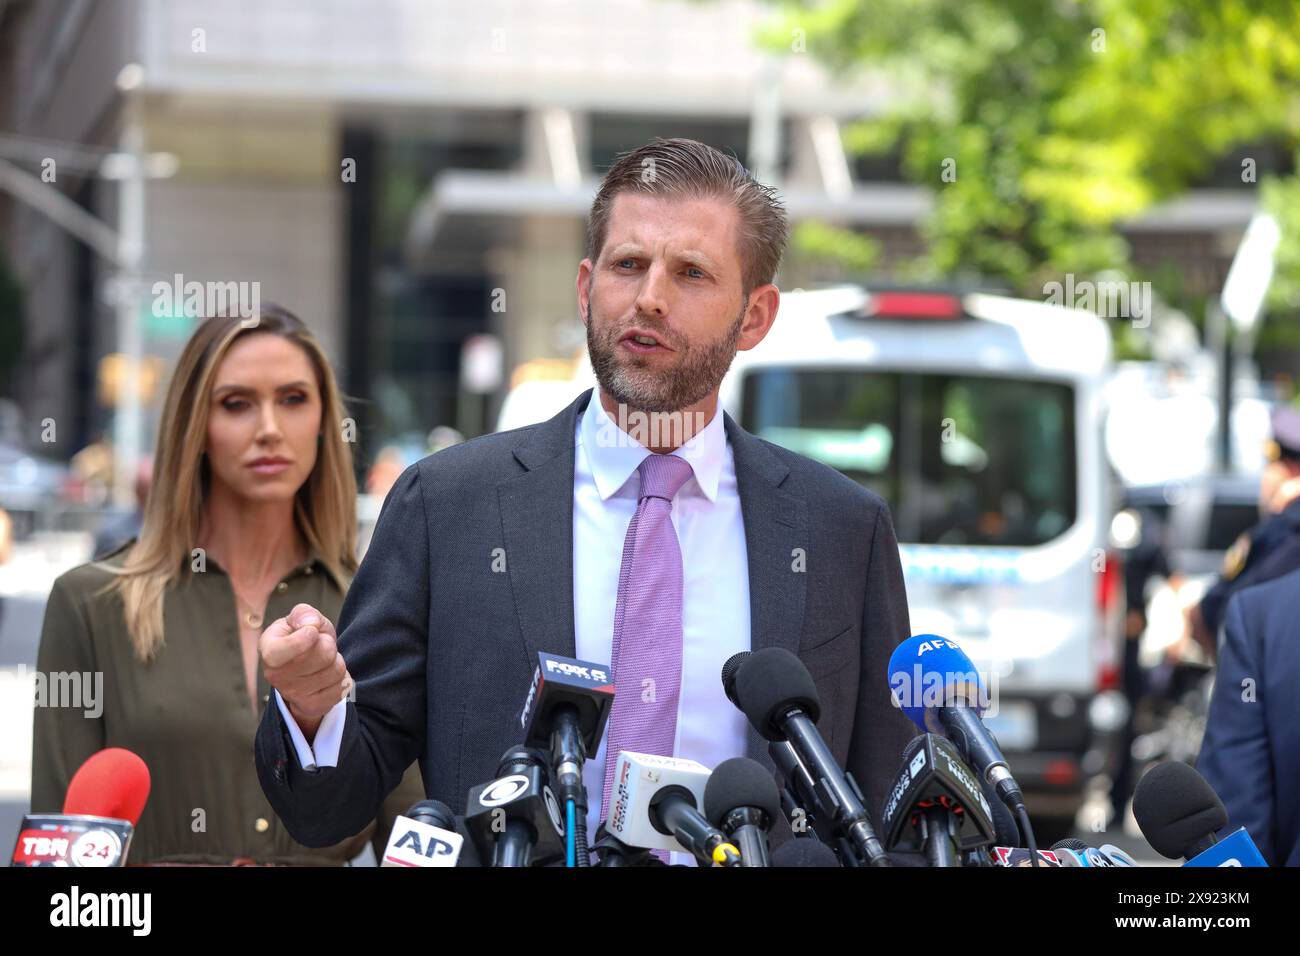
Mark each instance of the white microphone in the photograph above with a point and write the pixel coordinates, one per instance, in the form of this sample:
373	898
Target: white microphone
425	837
655	804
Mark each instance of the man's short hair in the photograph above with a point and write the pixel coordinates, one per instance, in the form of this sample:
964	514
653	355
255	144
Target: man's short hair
688	168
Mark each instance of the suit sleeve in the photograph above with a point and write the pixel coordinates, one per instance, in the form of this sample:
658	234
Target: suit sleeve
880	729
1234	756
62	737
383	635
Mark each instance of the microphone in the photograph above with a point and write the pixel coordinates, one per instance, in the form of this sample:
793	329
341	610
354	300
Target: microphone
799	801
936	805
104	801
937	686
565	712
1090	856
425	836
515	819
741	800
655	805
779	698
804	853
1180	815
611	851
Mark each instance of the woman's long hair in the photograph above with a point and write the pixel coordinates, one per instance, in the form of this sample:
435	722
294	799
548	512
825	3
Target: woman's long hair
325	507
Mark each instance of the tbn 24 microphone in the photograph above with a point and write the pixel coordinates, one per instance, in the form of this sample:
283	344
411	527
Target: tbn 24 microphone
425	836
937	686
655	805
104	801
515	820
778	696
565	713
936	805
1180	815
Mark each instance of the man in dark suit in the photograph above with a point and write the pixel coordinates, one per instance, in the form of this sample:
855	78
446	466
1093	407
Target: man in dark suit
640	527
1251	751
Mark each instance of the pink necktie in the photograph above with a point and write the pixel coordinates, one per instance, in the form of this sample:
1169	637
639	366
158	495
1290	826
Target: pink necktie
647	648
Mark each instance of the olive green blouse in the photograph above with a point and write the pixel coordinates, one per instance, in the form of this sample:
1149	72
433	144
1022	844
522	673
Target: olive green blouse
187	714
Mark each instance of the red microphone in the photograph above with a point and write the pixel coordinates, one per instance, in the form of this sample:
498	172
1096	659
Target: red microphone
104	801
113	783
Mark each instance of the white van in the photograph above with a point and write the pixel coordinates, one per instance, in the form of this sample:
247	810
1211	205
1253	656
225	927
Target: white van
979	419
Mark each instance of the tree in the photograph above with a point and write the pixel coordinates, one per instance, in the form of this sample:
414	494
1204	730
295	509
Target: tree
1041	126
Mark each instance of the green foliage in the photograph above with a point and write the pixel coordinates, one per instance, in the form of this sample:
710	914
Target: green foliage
1062	118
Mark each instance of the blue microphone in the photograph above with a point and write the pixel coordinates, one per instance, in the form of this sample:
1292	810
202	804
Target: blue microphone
937	686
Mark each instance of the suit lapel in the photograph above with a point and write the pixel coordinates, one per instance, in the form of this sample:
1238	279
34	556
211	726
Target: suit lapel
537	528
775	526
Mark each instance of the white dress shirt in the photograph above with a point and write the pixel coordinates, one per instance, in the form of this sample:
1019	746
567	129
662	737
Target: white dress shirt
715	593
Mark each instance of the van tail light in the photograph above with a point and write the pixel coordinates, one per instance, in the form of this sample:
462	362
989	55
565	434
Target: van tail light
1109	611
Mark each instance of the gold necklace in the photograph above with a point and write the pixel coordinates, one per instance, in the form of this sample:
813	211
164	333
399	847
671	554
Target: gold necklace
251	617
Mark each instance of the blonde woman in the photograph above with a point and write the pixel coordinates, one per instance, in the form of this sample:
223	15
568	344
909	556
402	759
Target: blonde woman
252	511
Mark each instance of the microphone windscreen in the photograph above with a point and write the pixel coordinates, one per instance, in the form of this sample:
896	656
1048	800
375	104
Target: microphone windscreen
927	671
769	683
1070	843
433	812
729	670
112	783
1176	808
805	851
740	782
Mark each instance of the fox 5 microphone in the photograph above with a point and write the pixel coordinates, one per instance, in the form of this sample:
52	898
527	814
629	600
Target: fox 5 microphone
104	801
1180	815
936	805
778	696
515	820
741	800
925	662
425	836
565	713
656	804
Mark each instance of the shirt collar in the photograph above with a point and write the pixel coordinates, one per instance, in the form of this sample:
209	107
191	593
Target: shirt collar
315	563
614	455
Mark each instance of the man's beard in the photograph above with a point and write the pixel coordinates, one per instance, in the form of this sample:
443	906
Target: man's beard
627	379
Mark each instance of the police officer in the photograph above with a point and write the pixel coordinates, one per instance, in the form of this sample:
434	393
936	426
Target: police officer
1271	548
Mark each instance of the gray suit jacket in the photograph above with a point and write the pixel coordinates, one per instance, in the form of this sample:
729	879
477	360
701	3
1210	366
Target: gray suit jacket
470	574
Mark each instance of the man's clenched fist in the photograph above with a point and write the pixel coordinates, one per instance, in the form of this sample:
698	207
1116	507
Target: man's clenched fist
301	660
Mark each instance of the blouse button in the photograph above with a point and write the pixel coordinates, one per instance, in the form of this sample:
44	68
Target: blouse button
307	570
261	826
282	587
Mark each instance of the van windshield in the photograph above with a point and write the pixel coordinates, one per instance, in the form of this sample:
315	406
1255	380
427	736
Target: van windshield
961	459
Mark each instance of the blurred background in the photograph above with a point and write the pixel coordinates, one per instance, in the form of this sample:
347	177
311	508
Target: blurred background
966	180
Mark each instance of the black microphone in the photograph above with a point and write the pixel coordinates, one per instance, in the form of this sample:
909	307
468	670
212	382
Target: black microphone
778	696
515	819
565	712
804	853
1178	811
741	800
936	805
611	851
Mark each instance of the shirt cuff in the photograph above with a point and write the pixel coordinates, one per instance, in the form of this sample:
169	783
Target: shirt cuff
324	751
